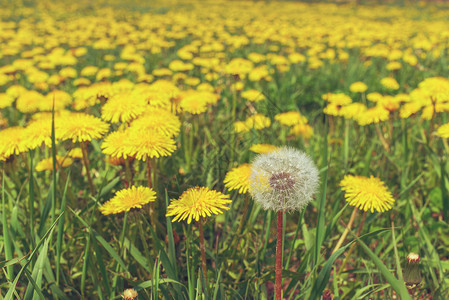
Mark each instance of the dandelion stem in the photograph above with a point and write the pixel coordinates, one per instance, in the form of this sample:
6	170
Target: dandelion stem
382	139
144	240
86	165
244	215
278	283
150	185
345	233
353	245
203	250
128	174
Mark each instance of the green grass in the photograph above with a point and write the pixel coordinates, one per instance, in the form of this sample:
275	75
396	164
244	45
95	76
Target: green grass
55	243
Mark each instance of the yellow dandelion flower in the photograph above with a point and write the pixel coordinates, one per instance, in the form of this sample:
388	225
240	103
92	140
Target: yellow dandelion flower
256	57
262	148
337	99
239	66
89	71
436	88
5	100
12	142
373	115
126	199
197	202
192	81
238	178
149	144
103	73
16	91
116	144
296	57
157	119
81	82
443	131
76	153
367	193
162	72
290	118
389	83
333	109
394	65
68	72
123	107
81	127
390	103
237	86
29	101
178	65
358	87
259	73
159	99
253	95
410	108
193	104
304	130
38	132
374	97
61	99
240	126
352	110
402	97
208	97
205	87
257	121
47	163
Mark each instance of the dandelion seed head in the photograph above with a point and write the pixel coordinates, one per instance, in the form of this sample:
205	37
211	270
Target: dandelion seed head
285	179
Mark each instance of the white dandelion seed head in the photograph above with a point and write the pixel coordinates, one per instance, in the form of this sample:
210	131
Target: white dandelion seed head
285	179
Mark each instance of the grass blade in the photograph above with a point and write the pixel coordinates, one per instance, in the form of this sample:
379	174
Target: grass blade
397	285
324	275
33	290
61	231
6	238
12	288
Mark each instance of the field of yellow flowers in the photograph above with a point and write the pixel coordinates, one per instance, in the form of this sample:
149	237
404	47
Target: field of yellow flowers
224	150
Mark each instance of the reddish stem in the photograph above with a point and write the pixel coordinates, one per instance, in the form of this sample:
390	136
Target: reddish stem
279	248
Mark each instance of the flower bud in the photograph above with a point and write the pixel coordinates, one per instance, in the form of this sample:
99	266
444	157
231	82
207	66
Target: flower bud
411	274
130	294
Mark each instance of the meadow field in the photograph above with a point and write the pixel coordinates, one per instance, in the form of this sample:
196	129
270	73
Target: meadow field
224	150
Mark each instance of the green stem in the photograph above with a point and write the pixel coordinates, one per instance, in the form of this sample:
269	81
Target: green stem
203	250
121	252
128	174
152	208
31	197
382	139
346	145
144	242
86	165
